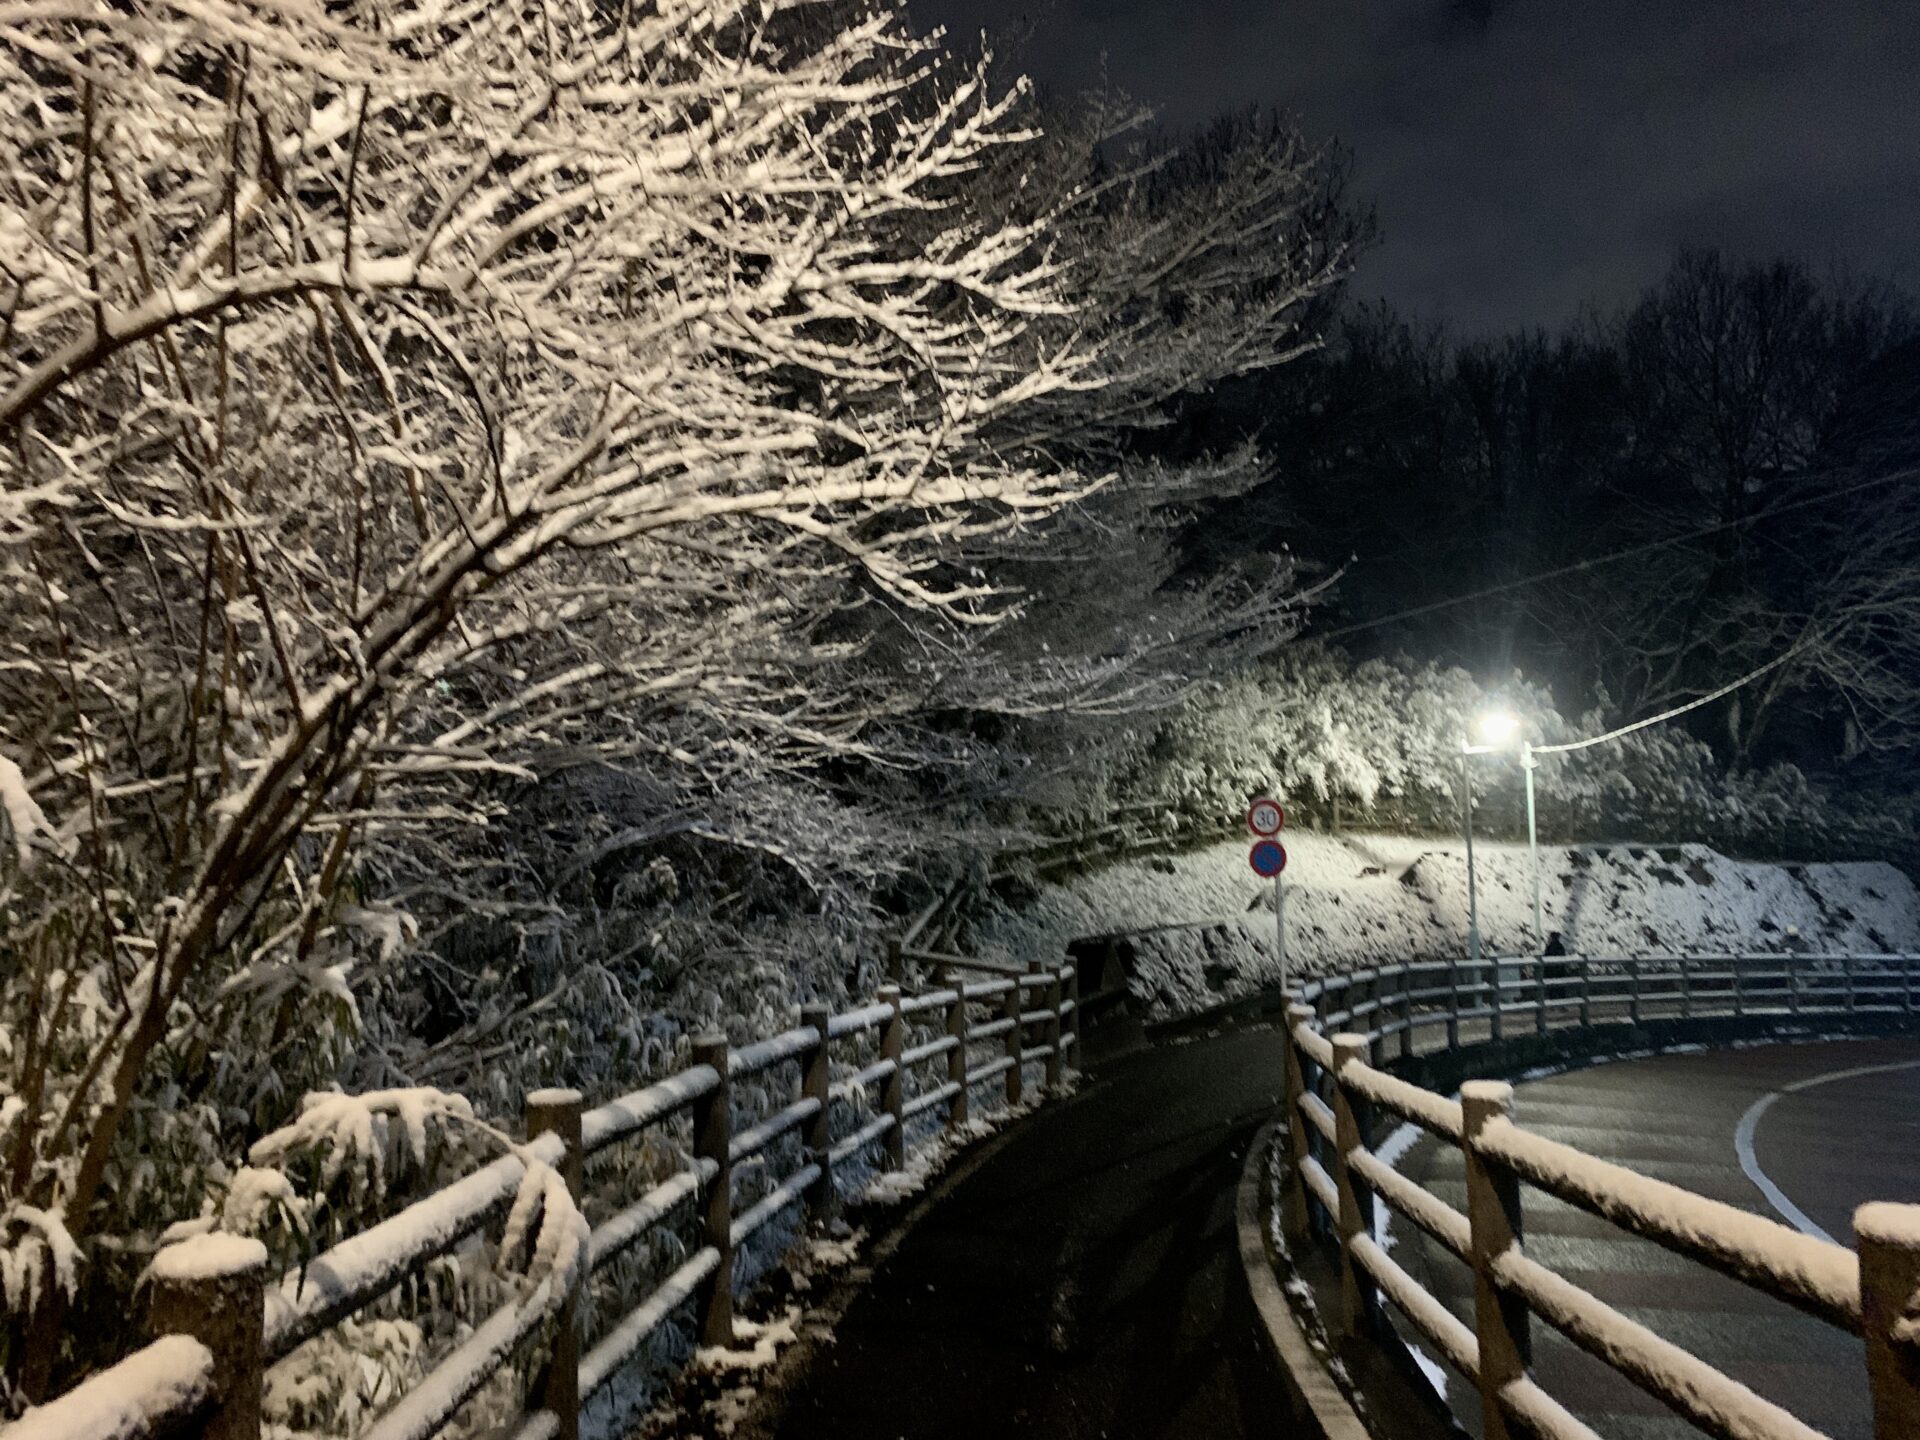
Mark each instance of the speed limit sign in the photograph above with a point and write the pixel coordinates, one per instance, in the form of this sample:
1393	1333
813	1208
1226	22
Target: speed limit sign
1265	816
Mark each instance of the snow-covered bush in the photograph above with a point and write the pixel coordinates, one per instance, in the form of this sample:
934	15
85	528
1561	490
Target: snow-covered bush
1379	742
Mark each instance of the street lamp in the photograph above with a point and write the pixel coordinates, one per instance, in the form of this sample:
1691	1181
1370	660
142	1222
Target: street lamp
1497	730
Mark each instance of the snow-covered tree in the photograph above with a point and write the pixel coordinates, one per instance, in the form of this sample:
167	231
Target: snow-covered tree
1376	744
1196	262
401	399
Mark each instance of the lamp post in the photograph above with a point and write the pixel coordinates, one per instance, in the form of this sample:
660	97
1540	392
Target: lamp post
1497	731
1466	824
1527	763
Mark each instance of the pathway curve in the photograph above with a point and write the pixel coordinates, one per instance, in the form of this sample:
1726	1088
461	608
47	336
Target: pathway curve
1082	1283
1841	1128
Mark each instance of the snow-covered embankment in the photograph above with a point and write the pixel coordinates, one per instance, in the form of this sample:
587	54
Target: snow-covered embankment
1361	900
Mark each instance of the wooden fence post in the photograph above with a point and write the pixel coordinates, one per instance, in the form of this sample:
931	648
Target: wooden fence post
1493	1214
1634	969
1847	968
1053	994
32	1374
1073	1020
1889	1238
1686	989
1406	1010
893	1044
1497	999
1359	993
213	1288
1293	1198
1359	1303
1540	998
1376	1023
1586	992
1010	1010
1739	993
816	1083
557	1112
957	1057
1453	1004
713	1141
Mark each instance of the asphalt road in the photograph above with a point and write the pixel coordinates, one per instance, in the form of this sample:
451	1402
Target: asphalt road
1842	1127
1081	1283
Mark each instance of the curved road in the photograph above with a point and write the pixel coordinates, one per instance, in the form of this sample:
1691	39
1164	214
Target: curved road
1082	1282
1800	1132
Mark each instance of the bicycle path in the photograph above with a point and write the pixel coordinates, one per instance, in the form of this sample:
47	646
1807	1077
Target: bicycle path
1081	1283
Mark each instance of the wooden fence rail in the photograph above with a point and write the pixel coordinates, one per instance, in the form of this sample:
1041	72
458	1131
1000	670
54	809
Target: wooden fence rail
218	1328
1337	1085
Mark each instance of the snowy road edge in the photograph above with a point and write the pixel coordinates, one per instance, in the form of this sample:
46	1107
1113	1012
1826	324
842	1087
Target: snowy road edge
1318	1399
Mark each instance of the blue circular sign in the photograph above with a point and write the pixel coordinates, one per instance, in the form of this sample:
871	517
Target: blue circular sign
1268	858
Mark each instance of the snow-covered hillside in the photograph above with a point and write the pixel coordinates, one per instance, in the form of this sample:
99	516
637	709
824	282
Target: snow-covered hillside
1359	900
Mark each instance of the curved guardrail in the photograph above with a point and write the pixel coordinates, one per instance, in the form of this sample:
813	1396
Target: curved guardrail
931	1050
1339	1081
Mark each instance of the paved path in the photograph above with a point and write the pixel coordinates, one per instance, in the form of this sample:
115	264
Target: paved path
1081	1283
1825	1145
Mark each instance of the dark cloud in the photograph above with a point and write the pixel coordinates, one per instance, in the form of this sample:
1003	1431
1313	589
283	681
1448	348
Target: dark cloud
1527	155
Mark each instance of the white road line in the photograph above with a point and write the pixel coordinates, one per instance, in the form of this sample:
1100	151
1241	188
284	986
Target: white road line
1750	1123
1776	1197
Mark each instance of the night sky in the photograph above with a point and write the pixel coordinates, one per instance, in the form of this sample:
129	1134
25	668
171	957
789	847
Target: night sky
1526	155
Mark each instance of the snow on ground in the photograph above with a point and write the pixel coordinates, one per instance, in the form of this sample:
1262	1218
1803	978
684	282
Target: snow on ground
1359	900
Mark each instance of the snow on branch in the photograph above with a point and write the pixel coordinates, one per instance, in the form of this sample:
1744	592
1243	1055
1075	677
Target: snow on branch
441	440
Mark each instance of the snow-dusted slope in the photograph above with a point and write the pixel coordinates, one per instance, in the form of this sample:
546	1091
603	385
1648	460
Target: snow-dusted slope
1360	900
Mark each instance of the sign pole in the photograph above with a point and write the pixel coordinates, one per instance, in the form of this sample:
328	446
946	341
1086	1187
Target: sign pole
1280	929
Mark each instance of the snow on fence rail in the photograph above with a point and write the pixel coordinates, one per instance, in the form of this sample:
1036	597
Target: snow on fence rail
160	1389
1339	1031
219	1325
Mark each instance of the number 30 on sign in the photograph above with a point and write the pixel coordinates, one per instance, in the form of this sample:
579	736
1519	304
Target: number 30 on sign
1265	816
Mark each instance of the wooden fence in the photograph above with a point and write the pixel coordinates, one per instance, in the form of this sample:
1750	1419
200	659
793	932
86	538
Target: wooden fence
218	1328
1340	1033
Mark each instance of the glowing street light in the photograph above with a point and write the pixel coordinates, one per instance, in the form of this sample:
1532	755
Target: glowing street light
1497	730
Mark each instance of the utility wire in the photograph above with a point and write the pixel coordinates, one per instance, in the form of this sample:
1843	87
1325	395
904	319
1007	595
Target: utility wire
1595	562
1707	699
